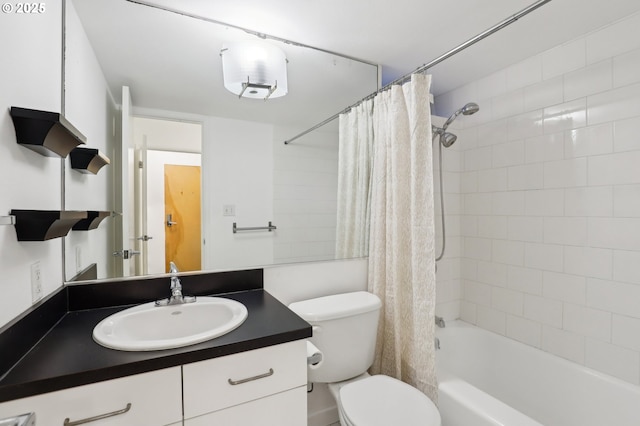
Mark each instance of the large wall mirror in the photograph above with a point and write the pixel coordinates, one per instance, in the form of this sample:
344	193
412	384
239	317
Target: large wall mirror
189	159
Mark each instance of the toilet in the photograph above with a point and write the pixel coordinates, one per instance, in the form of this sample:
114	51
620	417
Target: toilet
344	330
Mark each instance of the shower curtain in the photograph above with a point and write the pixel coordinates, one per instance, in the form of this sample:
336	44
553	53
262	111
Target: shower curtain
386	167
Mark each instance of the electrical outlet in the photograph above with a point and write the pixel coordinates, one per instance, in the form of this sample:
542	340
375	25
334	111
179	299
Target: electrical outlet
36	282
229	210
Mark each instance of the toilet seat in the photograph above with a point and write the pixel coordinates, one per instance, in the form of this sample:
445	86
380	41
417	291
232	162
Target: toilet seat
382	401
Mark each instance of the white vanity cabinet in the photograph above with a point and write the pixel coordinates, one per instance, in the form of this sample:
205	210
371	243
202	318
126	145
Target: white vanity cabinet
264	386
155	398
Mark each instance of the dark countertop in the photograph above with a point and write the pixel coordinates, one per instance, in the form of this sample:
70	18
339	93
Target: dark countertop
67	356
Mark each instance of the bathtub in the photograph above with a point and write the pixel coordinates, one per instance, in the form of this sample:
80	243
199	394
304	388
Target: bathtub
489	380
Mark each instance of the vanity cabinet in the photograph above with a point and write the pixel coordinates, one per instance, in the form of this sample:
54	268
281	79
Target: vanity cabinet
265	386
155	398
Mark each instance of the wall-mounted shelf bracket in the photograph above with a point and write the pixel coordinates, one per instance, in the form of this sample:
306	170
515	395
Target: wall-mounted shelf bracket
42	225
92	221
47	133
88	160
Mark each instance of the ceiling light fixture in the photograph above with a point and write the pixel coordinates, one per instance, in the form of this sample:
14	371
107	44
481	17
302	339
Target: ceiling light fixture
254	69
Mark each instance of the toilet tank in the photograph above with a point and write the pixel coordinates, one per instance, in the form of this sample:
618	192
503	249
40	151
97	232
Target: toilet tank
344	330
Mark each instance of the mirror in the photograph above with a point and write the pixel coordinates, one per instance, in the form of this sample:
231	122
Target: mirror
171	64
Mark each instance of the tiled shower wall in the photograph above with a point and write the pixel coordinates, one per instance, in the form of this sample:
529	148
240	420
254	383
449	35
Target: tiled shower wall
550	188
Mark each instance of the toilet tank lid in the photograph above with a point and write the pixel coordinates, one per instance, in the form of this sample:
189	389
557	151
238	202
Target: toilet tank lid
336	306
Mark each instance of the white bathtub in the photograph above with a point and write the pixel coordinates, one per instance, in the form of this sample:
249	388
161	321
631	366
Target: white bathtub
488	380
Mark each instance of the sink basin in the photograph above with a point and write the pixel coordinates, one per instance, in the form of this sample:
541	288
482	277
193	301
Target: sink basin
149	327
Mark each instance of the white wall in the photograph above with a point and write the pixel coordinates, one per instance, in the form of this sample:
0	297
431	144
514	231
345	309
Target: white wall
31	74
89	105
550	184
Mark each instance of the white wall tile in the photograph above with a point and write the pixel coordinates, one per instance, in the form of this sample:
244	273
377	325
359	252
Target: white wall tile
613	360
508	104
477	248
529	176
525	228
626	201
615	233
564	58
478	204
469	269
626	69
478	159
593	140
549	202
525	280
589	201
565	287
492	85
615	297
469	182
593	79
469	226
524	330
524	73
588	261
566	116
506	300
614	169
627	135
587	322
570	231
492	180
525	125
508	252
564	344
491	319
548	257
544	148
613	40
544	94
492	227
508	154
626	266
492	273
616	104
626	332
468	312
492	133
542	310
510	203
565	173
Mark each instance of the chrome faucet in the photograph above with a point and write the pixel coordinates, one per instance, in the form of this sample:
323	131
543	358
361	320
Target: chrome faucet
440	322
176	297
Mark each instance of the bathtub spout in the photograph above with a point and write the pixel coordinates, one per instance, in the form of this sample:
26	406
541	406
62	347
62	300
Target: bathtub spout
440	322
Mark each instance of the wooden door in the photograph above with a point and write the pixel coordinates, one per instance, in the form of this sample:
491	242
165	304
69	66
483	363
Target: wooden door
182	217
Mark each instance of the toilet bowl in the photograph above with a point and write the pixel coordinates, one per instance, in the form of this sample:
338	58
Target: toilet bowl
382	401
344	330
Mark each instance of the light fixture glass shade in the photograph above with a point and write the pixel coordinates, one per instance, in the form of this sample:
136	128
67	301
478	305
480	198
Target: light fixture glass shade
254	69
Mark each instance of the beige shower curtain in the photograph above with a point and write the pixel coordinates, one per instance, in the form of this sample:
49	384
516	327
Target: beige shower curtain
401	247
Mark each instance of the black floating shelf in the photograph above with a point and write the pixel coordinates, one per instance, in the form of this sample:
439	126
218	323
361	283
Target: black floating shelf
42	225
88	160
47	133
92	221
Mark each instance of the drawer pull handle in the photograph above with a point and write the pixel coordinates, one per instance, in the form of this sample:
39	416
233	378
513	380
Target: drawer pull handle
67	422
250	379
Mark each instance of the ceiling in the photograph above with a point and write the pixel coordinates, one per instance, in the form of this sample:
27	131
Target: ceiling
171	61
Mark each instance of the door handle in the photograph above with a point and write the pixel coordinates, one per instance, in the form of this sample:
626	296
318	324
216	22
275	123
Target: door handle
126	254
170	221
144	238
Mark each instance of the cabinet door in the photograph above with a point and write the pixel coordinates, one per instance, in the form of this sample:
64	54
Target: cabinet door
223	382
155	398
283	409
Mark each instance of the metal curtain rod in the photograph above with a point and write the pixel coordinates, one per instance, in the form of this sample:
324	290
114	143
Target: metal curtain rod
247	30
434	62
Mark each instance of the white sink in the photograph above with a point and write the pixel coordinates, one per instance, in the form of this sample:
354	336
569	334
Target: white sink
149	327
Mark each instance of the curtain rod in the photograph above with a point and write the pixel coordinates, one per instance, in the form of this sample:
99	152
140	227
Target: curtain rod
434	62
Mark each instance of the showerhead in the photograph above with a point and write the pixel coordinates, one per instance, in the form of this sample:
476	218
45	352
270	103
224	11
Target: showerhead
447	139
468	109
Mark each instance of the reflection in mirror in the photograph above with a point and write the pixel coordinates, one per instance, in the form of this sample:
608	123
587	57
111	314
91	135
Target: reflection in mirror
172	66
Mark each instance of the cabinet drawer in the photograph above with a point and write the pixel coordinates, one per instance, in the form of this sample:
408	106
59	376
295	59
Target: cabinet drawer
284	409
219	383
155	399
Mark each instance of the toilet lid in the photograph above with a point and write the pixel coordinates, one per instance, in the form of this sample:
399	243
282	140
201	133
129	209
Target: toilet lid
383	401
